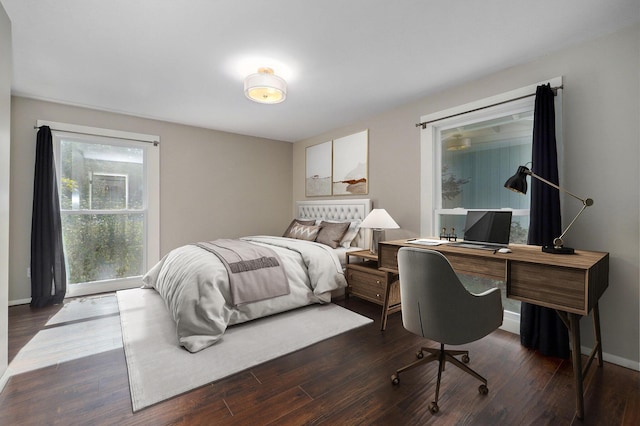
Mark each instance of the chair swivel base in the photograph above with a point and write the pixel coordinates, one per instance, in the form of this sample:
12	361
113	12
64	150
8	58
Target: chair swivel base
442	356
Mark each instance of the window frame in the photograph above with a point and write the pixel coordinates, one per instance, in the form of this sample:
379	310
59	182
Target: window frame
431	155
430	143
151	204
514	107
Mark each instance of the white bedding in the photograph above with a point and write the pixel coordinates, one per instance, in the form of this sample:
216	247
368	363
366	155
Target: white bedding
195	287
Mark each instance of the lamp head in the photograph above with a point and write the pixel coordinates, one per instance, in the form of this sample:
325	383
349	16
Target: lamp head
518	182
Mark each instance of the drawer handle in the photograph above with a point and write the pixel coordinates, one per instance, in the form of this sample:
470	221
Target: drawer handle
378	295
377	281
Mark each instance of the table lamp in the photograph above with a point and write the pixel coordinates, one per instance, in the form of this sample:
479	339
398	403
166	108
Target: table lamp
378	220
518	183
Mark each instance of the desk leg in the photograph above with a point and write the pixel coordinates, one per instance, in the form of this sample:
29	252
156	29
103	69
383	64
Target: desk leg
385	305
596	330
576	358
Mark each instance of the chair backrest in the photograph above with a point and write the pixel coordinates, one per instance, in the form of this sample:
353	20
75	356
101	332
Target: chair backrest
436	305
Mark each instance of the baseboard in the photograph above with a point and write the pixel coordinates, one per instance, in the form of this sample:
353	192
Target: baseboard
614	359
511	322
4	379
19	302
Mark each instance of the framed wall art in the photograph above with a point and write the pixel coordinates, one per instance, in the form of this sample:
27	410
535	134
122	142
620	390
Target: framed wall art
350	164
318	170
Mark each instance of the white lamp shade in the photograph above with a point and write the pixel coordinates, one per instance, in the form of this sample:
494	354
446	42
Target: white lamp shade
265	87
379	219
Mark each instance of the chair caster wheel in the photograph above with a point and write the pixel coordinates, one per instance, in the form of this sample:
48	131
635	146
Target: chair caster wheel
433	407
395	380
483	389
419	355
465	359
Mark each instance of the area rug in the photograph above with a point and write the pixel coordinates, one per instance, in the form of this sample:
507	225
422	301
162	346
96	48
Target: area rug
160	369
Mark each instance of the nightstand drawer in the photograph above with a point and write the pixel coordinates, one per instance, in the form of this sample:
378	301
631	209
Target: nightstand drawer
369	284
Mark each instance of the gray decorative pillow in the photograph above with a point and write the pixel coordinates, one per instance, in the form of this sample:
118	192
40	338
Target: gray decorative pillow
331	233
304	232
299	221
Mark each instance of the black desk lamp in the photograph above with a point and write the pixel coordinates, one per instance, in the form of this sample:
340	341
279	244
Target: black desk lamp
518	183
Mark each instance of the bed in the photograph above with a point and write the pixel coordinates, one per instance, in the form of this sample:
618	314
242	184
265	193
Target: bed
204	284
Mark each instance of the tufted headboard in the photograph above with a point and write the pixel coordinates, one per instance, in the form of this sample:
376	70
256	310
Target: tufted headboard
353	210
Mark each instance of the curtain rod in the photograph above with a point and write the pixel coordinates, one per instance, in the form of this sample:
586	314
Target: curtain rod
424	123
155	143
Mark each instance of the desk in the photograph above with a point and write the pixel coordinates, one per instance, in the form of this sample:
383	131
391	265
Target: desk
570	284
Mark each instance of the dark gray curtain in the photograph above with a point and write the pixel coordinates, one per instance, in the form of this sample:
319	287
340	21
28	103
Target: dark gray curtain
541	328
48	275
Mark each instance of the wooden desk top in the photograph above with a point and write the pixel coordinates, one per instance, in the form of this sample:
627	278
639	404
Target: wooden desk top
582	259
571	283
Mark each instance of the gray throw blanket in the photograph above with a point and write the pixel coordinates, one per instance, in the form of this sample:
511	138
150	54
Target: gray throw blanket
255	272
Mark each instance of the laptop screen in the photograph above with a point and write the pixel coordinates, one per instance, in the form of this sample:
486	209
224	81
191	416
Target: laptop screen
488	226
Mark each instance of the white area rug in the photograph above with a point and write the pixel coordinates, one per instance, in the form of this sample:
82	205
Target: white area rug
160	369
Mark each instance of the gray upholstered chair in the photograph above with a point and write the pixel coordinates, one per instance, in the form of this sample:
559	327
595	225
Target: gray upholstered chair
435	305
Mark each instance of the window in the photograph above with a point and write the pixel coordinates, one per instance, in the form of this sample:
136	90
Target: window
109	206
466	158
475	161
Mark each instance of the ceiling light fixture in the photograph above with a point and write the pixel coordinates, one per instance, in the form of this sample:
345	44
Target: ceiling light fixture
265	87
457	142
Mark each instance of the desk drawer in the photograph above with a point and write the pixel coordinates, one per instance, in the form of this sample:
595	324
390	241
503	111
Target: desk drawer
550	286
479	266
484	266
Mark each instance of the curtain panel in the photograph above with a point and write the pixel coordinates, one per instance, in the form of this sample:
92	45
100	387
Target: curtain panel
48	274
541	328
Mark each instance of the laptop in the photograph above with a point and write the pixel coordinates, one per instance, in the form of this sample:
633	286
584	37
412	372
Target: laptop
486	229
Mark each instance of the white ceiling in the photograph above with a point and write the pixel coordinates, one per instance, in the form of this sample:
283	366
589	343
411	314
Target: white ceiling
185	61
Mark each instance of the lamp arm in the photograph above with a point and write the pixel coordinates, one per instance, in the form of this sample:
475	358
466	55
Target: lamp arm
584	201
557	242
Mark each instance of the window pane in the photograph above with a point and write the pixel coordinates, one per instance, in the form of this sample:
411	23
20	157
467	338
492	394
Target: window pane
476	160
102	246
454	225
100	177
474	170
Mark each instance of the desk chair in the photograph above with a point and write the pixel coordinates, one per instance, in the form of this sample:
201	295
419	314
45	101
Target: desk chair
436	306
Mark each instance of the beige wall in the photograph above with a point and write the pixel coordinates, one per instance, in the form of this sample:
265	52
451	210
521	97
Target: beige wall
212	184
601	116
5	144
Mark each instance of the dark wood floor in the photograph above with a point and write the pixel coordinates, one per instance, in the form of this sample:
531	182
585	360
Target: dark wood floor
343	380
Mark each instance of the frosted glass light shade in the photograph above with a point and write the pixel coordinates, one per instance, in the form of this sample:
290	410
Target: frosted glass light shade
379	219
457	143
265	87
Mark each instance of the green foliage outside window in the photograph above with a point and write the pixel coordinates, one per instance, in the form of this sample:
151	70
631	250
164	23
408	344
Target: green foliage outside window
104	246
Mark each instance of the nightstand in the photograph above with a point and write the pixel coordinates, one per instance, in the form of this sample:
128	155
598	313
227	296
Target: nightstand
367	282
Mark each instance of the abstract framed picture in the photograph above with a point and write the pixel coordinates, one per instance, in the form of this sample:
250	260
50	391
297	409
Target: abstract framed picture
318	170
350	164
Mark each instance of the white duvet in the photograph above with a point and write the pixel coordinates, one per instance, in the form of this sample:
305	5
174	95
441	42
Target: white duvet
195	287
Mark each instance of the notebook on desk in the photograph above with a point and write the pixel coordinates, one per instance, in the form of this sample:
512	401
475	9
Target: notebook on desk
486	230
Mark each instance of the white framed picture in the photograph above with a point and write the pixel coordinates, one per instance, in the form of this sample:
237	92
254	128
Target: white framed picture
350	164
318	170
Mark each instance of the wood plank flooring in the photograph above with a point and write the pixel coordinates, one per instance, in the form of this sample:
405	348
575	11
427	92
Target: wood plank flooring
341	381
